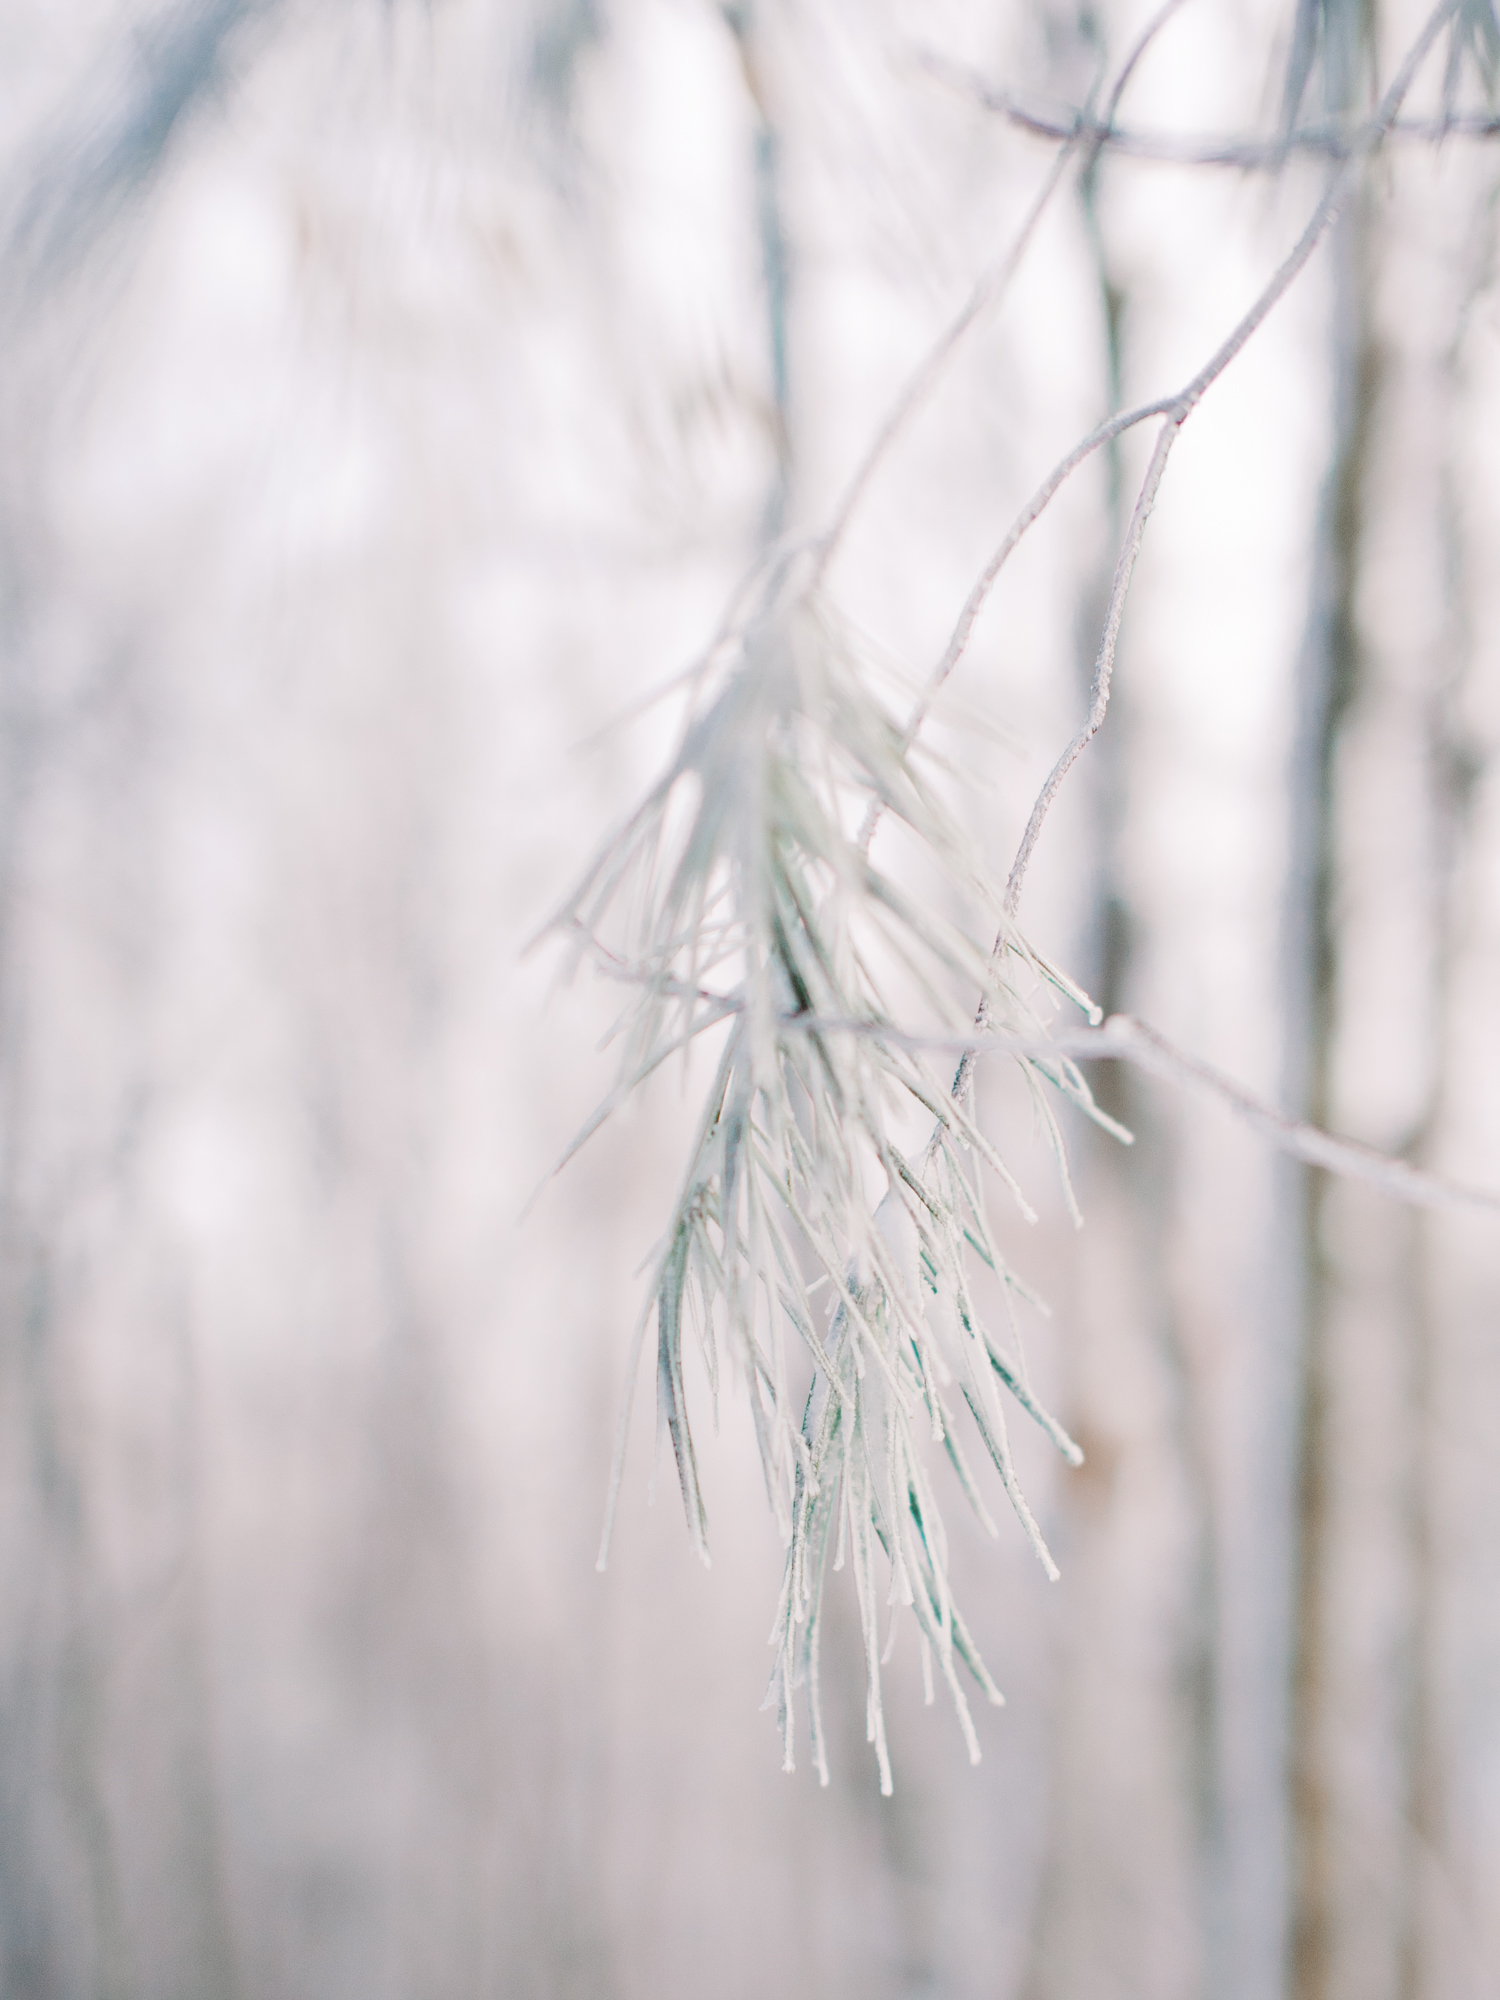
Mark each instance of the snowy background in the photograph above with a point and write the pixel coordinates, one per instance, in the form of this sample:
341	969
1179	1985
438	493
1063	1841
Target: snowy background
391	396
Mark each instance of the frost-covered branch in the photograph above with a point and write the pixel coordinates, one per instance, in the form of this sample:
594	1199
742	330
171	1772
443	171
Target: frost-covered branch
1176	414
1122	1038
835	1192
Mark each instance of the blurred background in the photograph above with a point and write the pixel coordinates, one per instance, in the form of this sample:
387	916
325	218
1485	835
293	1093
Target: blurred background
391	396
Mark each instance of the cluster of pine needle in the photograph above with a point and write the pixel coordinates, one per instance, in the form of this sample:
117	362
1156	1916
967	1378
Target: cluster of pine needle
741	897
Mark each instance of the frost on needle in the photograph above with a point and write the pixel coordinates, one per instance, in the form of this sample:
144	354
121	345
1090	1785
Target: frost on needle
740	900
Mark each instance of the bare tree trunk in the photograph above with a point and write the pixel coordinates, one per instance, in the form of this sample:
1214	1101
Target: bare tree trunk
1384	786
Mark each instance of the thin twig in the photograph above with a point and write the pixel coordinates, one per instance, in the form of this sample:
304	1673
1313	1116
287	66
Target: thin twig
1250	154
986	293
1128	69
1035	507
1104	662
1122	1038
989	289
920	383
